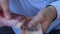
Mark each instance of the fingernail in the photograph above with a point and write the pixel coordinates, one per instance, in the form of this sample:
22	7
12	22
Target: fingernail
29	25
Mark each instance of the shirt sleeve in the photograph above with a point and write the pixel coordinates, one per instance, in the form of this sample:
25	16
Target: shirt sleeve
56	4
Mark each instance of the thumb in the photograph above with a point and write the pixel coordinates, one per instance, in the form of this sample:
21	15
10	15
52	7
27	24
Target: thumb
34	21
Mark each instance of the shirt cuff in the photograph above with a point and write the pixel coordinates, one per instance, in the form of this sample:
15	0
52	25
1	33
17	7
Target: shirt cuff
55	4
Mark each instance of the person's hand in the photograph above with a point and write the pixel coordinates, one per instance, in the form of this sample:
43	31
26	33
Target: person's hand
5	16
4	5
11	22
7	22
45	17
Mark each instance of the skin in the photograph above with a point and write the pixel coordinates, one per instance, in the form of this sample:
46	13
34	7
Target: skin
5	6
44	16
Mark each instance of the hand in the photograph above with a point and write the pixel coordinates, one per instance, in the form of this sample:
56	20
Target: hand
11	22
7	22
4	5
45	17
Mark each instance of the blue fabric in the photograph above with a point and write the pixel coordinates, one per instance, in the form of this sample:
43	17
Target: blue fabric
55	23
17	30
57	5
32	7
22	7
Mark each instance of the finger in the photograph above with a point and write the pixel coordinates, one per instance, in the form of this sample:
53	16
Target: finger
7	13
34	22
7	22
19	24
39	27
5	7
45	25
